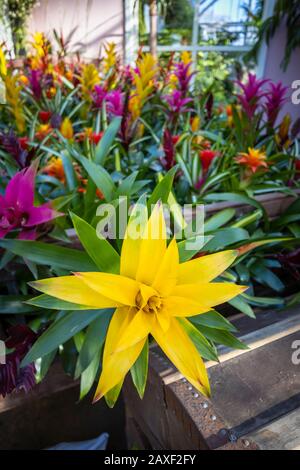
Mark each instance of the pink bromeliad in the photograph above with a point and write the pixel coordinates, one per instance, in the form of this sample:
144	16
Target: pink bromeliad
17	210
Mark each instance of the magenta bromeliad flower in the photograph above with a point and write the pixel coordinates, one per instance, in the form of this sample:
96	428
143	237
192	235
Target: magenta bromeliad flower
35	77
184	76
275	99
177	103
252	94
115	103
17	210
12	376
98	96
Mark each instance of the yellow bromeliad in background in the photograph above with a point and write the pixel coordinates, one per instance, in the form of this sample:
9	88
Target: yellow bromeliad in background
152	294
12	93
143	83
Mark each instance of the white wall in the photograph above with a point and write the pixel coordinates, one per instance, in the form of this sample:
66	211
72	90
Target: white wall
94	22
275	54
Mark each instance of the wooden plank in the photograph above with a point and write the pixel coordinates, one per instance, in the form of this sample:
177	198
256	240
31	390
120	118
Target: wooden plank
251	389
282	434
261	337
173	416
274	203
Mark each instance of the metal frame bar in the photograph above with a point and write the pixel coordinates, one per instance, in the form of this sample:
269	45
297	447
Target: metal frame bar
262	55
181	48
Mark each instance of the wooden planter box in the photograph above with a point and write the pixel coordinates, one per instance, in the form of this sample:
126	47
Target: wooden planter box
51	413
274	203
255	400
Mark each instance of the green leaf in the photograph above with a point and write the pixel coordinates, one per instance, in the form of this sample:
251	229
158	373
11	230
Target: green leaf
242	306
185	170
98	248
163	188
45	364
49	302
103	147
71	178
264	301
185	254
219	219
14	304
100	177
50	254
221	337
93	343
88	376
61	331
266	277
112	396
139	370
226	237
213	319
205	349
126	186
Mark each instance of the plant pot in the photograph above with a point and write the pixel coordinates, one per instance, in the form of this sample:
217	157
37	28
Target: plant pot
51	414
274	203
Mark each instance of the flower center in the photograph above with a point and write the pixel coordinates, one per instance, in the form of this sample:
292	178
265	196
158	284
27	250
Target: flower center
152	305
12	218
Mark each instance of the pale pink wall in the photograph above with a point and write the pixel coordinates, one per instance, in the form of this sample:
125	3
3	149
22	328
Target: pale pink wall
275	55
96	22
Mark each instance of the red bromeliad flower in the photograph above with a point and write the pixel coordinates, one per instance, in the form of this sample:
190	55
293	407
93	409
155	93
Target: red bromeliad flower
207	157
297	167
96	137
17	147
12	376
23	141
169	143
17	210
252	94
253	160
93	137
44	116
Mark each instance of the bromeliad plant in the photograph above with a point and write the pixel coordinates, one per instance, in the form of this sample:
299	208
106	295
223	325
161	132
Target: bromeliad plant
147	290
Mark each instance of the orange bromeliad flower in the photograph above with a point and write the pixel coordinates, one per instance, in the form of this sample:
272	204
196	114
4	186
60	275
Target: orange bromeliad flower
253	160
55	168
42	131
82	189
93	137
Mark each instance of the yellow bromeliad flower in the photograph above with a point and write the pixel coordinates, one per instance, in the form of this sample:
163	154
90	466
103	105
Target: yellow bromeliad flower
89	78
195	123
13	99
144	83
186	57
40	44
3	66
66	129
152	295
110	58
